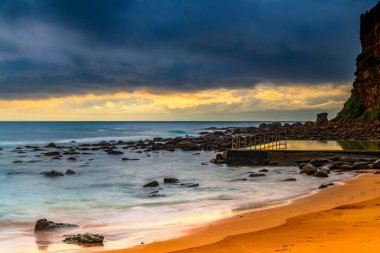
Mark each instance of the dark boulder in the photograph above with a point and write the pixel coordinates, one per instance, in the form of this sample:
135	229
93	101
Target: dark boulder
219	159
361	165
44	224
54	153
263	170
308	168
289	180
187	145
170	180
319	162
321	173
322	186
191	185
114	152
84	238
129	159
70	172
152	184
322	119
376	164
52	173
257	175
51	145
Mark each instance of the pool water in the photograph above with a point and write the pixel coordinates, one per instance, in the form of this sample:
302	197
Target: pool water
332	145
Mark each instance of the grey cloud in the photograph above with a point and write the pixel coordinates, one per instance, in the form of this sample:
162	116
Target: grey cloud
58	47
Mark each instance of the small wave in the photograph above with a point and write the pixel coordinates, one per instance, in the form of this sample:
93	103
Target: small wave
177	131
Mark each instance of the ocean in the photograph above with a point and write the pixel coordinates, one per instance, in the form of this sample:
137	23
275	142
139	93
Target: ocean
106	195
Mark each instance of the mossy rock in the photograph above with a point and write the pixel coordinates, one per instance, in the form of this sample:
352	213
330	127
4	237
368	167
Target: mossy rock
353	109
372	115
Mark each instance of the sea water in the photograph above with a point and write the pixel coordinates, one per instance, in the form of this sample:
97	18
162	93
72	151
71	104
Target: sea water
106	195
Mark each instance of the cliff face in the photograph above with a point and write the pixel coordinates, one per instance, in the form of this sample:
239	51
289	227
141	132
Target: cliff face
364	102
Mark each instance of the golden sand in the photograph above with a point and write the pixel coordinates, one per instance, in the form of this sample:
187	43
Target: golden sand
343	218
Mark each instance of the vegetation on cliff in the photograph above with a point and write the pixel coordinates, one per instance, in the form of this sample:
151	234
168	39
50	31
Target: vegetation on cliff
364	103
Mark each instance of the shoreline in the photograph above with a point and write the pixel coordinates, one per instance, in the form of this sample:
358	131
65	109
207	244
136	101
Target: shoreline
364	187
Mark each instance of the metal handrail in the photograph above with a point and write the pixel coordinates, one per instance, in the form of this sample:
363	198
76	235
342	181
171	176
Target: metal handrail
260	141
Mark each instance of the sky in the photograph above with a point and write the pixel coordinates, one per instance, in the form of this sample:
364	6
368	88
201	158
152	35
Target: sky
177	59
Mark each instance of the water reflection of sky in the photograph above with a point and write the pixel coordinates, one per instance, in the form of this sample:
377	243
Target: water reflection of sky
332	145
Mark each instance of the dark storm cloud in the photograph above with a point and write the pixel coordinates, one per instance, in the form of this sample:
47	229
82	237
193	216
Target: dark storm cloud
53	47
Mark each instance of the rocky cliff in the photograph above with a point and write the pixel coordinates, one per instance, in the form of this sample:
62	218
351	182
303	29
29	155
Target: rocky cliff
364	102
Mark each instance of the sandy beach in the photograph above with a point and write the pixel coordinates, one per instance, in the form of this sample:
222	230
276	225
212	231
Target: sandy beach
321	221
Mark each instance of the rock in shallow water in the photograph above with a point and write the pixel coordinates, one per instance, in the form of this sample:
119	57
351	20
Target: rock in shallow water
308	168
322	186
84	238
376	164
70	172
152	184
289	180
44	224
321	173
257	175
190	185
319	162
170	180
52	173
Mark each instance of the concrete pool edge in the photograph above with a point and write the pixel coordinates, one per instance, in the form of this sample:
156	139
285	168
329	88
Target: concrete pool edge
288	157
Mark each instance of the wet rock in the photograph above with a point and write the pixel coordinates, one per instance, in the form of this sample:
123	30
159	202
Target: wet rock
263	170
349	159
170	180
129	159
71	159
376	164
52	173
308	168
70	172
13	173
71	153
321	173
54	153
156	195
18	161
361	165
347	167
152	184
219	159
114	152
204	163
38	149
289	179
51	145
57	157
319	162
84	238
257	175
322	186
187	145
190	185
44	224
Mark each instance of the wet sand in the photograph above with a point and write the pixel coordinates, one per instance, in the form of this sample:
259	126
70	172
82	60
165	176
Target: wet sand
343	218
